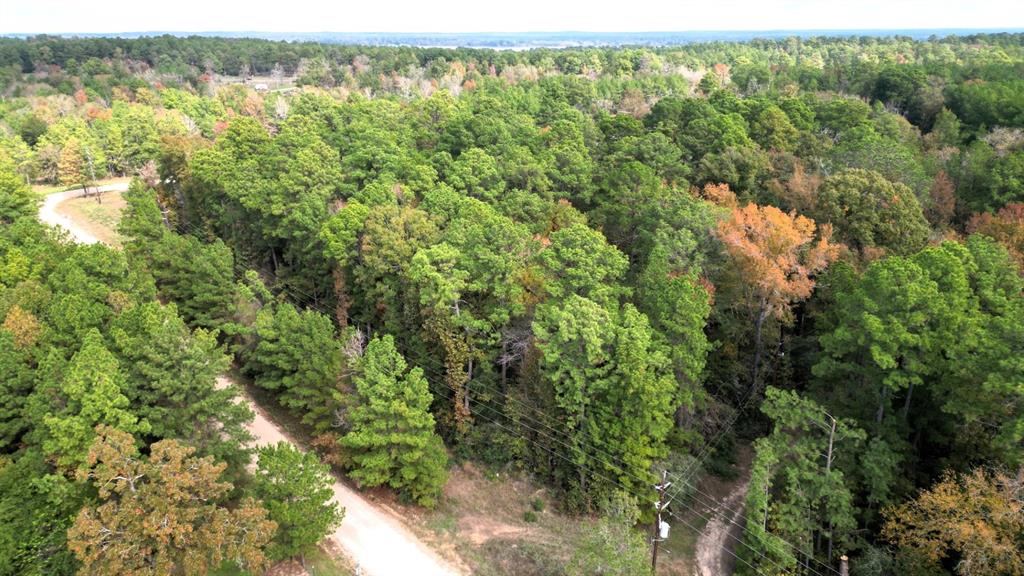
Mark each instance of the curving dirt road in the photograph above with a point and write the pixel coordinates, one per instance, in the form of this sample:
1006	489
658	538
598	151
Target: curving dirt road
376	541
49	214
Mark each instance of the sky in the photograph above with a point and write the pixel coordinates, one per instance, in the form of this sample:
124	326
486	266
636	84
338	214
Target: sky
111	16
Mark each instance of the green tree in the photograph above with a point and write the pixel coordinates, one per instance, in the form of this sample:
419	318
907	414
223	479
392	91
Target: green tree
896	159
296	489
141	223
36	509
16	383
902	86
611	547
798	495
16	200
772	130
31	129
867	211
297	355
678	306
470	286
892	329
945	130
612	388
570	166
199	278
392	439
91	393
340	236
578	260
941	330
387	242
172	381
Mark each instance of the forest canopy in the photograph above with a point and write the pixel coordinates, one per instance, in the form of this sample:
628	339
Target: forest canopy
589	265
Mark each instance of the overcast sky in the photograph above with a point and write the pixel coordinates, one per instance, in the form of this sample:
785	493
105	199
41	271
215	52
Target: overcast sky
99	16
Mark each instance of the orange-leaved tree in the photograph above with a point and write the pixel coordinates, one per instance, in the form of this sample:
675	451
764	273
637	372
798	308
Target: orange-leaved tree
1005	226
775	256
976	518
165	514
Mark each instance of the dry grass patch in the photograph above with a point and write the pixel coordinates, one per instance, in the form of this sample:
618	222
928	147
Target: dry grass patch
97	218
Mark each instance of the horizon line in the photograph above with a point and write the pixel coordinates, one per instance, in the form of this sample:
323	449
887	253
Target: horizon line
1010	29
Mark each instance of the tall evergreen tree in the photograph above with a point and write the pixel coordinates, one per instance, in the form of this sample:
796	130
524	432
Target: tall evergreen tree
296	355
91	392
172	381
392	439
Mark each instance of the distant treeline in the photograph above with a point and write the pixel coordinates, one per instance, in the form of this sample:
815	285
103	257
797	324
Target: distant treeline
234	56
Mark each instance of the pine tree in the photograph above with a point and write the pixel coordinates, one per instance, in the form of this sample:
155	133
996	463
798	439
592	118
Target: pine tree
613	390
296	489
172	373
297	355
392	440
91	393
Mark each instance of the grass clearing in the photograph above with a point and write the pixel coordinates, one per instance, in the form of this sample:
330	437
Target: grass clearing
97	218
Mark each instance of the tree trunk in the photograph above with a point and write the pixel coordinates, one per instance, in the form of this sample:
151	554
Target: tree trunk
906	403
465	394
883	396
504	366
758	344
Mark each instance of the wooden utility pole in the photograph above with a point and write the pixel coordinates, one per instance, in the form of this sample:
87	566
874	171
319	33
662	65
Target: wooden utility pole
657	534
828	468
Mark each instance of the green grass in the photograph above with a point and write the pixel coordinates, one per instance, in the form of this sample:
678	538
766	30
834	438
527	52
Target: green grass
320	563
443	524
101	215
45	189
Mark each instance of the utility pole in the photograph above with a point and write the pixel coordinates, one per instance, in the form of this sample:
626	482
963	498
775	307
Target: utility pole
828	469
660	527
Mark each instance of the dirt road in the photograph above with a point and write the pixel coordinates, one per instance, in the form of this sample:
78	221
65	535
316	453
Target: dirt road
713	558
49	213
376	541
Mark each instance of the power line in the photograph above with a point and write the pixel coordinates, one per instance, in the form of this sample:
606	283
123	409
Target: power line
599	460
611	481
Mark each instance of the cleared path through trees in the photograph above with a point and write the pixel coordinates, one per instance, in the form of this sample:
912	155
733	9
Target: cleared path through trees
721	533
375	540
